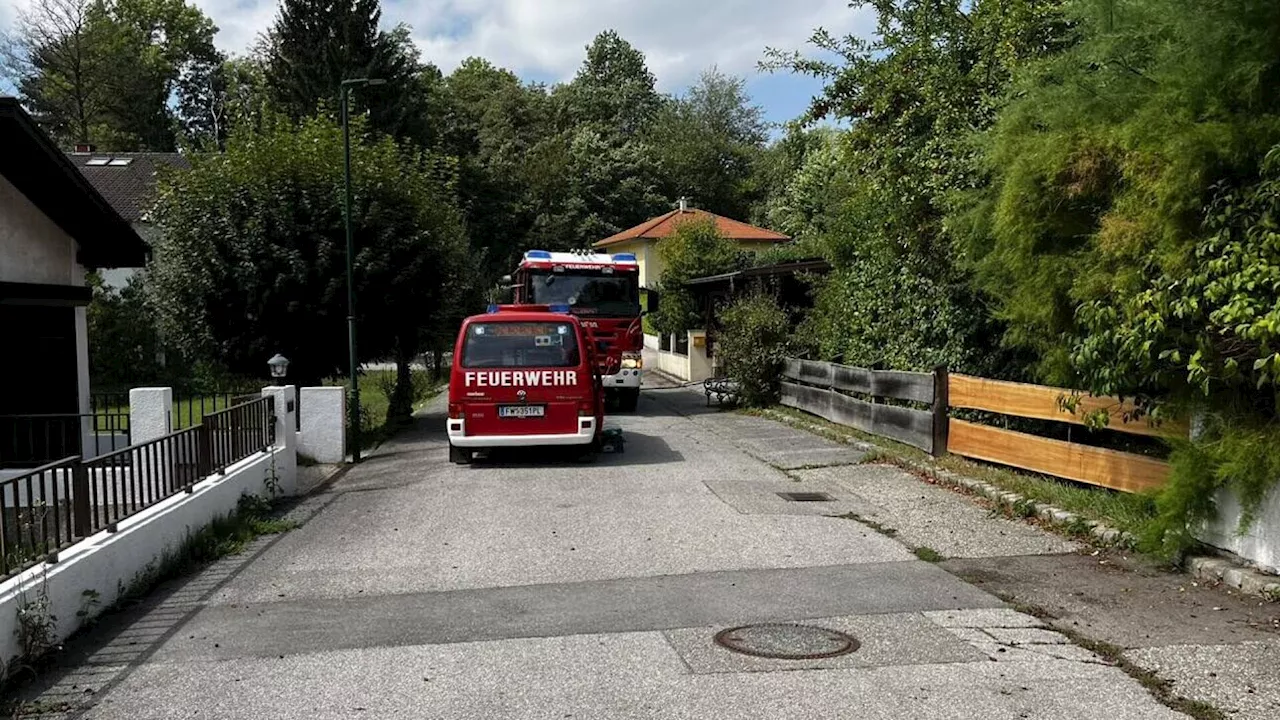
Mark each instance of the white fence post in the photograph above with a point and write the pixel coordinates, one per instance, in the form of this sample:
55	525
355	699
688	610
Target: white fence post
286	447
150	417
150	413
323	434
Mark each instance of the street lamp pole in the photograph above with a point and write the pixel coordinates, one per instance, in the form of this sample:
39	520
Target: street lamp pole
351	288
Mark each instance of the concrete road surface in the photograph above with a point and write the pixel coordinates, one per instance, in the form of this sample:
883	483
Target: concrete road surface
525	587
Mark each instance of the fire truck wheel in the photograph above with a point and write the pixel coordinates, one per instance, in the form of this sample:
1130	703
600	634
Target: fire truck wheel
628	399
459	456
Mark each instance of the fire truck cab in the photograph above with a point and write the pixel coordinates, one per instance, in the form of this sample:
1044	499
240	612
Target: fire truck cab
603	292
523	379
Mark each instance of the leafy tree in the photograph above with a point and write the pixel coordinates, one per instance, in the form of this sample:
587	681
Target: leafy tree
587	188
103	71
613	91
124	348
934	71
252	252
316	44
1101	166
696	249
707	142
492	122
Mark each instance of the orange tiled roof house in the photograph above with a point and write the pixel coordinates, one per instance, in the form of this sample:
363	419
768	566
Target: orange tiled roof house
643	239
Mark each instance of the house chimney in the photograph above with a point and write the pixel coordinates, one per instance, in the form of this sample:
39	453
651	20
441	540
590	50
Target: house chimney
684	204
84	148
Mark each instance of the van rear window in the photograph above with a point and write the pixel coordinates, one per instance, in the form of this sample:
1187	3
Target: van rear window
520	345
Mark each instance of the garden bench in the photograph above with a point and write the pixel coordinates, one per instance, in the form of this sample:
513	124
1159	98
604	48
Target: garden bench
722	388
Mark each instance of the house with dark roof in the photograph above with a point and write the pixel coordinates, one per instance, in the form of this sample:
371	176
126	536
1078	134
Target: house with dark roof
643	239
54	227
128	182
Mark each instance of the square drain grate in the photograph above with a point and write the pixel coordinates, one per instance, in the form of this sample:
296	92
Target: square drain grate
806	496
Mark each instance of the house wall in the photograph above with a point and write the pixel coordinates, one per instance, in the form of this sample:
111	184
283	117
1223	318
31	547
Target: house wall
650	259
33	249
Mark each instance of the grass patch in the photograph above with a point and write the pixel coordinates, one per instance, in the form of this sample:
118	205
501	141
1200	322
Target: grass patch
376	387
928	554
1124	511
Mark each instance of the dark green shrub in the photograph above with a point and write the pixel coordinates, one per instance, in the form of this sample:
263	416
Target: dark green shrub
752	344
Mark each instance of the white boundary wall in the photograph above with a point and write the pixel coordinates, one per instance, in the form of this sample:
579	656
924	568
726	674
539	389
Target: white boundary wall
1260	543
323	432
694	367
107	562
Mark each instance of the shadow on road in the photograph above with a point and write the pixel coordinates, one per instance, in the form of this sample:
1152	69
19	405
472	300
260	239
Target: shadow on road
638	449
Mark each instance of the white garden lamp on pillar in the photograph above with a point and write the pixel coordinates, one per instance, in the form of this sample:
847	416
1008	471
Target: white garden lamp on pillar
279	368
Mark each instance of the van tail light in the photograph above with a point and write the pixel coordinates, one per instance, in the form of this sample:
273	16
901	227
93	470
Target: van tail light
455	410
586	408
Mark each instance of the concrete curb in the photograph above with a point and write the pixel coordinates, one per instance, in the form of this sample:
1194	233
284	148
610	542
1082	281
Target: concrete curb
1212	569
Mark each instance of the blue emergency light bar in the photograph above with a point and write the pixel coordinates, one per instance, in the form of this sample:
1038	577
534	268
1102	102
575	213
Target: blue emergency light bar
493	308
538	255
625	257
560	308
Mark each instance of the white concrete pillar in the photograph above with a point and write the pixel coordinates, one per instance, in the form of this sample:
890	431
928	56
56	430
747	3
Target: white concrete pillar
699	364
150	417
323	436
150	413
286	447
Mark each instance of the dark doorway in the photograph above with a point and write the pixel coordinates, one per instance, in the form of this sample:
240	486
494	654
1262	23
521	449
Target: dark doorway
40	403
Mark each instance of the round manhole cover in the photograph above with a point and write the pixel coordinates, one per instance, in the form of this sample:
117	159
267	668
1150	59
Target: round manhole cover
786	641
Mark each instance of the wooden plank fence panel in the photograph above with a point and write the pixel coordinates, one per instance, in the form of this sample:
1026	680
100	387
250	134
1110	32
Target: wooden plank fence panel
851	379
1041	402
851	411
811	400
1097	466
903	385
906	425
813	372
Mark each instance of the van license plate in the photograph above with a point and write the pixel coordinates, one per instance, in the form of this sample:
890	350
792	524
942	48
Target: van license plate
521	411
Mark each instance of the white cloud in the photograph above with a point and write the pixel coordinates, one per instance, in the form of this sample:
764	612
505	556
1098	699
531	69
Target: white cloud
546	38
679	38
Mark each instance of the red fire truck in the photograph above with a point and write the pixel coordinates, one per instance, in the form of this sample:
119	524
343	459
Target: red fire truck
603	292
524	379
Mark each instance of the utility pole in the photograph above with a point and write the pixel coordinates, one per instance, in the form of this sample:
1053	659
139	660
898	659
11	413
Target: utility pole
351	288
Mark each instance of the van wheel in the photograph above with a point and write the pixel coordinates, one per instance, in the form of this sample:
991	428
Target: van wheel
459	456
628	399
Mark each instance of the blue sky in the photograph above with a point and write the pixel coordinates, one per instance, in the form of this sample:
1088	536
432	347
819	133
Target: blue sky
545	39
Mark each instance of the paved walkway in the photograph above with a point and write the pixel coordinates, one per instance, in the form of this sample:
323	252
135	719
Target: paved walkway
525	588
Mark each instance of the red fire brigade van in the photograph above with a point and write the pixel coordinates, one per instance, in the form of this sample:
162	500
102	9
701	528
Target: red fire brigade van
523	379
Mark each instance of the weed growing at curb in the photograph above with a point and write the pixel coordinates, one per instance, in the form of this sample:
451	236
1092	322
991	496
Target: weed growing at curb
1159	688
878	527
928	554
226	535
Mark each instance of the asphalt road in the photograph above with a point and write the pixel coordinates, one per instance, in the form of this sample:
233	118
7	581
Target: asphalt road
522	587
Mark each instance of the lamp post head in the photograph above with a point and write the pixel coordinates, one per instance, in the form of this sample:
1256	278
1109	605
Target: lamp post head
279	368
360	82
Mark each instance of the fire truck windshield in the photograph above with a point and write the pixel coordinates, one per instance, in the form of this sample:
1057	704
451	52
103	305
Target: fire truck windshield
602	294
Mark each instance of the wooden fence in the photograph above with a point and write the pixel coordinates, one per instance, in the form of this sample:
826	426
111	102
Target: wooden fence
824	389
830	391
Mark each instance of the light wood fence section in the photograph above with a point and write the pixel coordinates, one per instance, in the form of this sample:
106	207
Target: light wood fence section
1097	466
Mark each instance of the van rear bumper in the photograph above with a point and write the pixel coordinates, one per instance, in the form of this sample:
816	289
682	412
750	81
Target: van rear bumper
458	436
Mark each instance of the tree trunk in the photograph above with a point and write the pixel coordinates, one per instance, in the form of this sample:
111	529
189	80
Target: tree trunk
400	409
